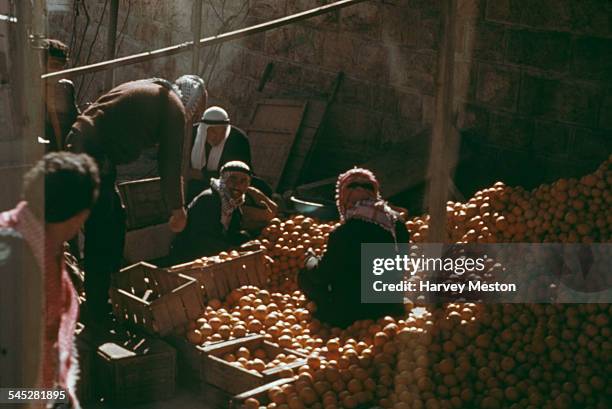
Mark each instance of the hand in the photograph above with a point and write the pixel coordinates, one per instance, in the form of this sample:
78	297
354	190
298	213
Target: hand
256	194
178	220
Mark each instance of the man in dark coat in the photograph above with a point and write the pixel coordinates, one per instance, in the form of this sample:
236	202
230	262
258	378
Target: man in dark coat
216	142
114	130
334	281
214	217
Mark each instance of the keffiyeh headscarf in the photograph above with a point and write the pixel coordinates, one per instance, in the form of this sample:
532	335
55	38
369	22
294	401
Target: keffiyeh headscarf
192	91
228	203
373	209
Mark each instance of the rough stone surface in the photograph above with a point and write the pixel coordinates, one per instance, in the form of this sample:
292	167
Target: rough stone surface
532	77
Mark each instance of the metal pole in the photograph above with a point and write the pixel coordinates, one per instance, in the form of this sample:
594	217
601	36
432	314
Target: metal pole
218	39
439	170
111	40
197	34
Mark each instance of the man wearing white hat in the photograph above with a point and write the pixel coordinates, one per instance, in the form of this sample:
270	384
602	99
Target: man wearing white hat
114	130
216	142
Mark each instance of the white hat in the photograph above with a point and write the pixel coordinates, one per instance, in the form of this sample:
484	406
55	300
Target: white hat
215	116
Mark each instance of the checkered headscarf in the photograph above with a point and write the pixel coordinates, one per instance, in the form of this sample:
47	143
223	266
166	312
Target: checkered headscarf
374	210
228	203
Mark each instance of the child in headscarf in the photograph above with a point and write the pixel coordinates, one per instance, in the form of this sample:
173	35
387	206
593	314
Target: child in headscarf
333	281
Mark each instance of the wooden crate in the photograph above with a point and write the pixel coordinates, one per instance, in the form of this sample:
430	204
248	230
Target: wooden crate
136	370
235	380
178	299
219	279
144	203
260	393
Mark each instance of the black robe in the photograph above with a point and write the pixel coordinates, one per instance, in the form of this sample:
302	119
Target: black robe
335	283
204	234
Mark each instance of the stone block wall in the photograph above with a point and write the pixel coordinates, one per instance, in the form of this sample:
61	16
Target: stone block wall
532	81
537	86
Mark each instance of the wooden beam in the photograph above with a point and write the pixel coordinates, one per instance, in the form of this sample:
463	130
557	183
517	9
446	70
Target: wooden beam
204	42
111	40
443	132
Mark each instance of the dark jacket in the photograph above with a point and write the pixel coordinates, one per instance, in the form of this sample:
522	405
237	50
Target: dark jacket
132	117
204	234
335	283
236	147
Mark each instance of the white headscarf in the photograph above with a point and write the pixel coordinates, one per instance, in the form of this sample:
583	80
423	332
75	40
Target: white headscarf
213	116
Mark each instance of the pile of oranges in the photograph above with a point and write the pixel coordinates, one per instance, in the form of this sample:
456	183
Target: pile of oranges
460	355
286	243
566	211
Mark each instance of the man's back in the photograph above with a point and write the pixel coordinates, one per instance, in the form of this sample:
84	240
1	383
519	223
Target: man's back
133	116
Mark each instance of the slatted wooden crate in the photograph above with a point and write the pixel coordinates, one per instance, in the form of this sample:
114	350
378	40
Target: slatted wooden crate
260	393
234	379
136	370
219	279
144	202
177	299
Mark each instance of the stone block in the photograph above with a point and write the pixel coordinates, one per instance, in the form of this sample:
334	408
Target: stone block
486	41
400	25
279	42
544	50
385	99
591	145
364	19
286	74
340	52
497	86
565	102
551	138
373	62
411	106
411	69
306	45
509	131
592	58
268	9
